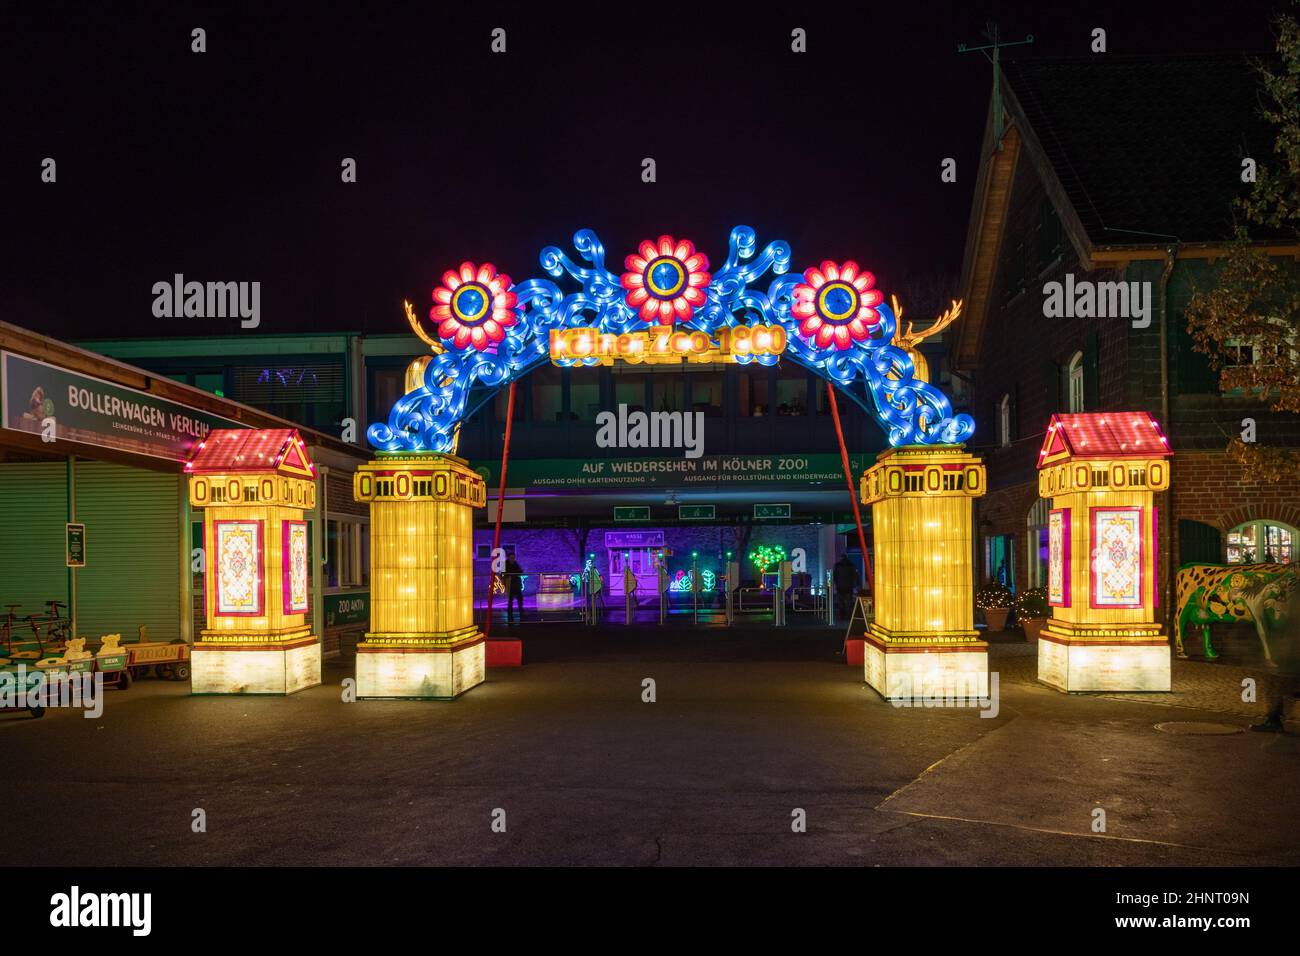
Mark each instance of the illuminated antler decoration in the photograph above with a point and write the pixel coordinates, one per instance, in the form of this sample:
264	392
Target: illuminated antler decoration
433	344
909	339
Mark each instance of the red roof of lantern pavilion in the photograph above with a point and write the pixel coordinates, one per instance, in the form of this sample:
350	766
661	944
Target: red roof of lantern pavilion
279	450
1103	435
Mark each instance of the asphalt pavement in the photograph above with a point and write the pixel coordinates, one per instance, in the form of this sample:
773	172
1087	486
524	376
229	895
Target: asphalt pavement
563	761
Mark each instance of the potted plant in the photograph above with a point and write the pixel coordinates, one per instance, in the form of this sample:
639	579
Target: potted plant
995	601
1032	611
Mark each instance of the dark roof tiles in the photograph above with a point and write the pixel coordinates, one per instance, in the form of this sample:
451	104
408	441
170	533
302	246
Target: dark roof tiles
1146	148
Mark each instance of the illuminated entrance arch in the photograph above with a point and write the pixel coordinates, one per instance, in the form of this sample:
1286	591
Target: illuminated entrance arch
666	305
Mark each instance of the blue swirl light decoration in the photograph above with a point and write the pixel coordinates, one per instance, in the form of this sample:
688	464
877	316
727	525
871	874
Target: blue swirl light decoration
867	366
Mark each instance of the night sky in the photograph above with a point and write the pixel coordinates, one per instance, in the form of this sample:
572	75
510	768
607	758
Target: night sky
225	165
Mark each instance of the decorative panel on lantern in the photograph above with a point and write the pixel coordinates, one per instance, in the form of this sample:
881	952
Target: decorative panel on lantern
417	579
927	546
921	519
1101	471
294	552
1058	563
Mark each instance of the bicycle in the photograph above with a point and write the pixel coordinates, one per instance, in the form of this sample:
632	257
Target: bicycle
19	647
58	629
8	632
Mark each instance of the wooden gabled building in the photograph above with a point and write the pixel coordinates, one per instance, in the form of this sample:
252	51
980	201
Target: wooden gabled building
1112	169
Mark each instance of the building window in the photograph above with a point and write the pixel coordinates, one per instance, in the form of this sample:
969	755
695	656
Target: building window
584	394
347	553
791	390
629	390
1017	263
310	394
1074	396
213	382
667	392
501	404
999	560
1261	542
387	384
1004	421
1037	542
1049	236
1257	351
1243	354
547	393
706	393
821	403
752	390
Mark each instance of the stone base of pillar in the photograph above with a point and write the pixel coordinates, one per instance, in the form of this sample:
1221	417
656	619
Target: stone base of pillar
900	668
234	666
1077	659
438	667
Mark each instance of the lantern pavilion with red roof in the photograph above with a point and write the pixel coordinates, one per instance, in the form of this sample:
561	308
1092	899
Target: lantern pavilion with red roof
1101	471
250	449
254	487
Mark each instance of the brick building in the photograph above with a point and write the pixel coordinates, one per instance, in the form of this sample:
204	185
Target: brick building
1112	169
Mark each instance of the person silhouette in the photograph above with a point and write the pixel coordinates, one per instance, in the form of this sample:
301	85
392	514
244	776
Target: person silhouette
514	575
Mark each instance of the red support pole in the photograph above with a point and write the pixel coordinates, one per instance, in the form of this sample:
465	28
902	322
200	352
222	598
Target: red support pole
501	501
853	493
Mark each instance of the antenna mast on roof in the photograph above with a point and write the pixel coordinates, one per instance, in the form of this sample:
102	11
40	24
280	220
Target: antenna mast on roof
992	33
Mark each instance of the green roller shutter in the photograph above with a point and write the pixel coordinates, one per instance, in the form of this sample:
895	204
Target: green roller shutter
33	512
132	573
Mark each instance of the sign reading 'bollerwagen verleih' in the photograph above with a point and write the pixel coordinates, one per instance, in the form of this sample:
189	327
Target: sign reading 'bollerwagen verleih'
44	399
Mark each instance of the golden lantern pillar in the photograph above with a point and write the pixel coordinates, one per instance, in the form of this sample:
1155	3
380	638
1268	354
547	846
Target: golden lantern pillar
1101	472
253	487
422	641
923	640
